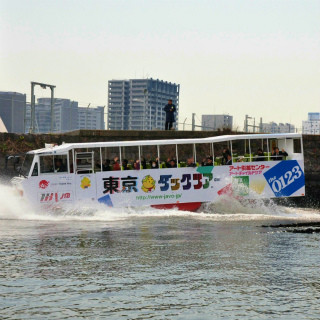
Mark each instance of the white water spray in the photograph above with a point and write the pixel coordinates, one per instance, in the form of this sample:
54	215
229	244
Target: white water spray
13	206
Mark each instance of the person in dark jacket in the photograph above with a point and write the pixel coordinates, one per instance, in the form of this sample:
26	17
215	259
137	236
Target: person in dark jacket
207	162
278	155
225	153
229	160
260	156
170	109
171	163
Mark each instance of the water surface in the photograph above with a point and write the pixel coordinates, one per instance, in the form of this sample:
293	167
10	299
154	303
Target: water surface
152	264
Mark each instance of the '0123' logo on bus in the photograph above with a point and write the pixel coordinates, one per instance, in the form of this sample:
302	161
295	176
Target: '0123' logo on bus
285	178
43	184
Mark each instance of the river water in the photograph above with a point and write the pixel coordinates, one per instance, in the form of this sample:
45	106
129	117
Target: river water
220	263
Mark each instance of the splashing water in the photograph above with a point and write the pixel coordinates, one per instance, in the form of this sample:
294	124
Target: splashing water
13	206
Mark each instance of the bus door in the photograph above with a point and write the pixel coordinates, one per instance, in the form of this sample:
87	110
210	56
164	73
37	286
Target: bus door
85	184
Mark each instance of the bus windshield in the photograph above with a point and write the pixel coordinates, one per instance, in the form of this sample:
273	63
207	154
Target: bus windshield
26	166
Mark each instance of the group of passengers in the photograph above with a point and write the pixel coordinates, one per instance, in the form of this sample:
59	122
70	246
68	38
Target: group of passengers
226	159
276	155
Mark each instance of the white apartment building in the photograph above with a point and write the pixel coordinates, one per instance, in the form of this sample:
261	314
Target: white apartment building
91	118
312	125
273	127
213	122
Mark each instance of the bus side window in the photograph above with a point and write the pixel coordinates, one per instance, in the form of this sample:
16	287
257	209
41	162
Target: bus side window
35	170
46	164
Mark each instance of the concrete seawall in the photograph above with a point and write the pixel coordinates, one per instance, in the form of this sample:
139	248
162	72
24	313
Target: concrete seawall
11	144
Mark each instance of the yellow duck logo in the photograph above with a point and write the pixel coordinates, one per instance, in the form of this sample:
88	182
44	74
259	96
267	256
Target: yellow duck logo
148	184
85	183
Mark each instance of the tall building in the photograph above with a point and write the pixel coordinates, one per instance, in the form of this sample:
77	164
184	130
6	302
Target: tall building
137	104
91	118
312	125
67	116
12	107
216	121
273	127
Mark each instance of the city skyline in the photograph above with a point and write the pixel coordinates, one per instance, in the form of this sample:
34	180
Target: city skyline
239	57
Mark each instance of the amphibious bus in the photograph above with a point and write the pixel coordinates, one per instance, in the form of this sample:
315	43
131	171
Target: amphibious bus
181	173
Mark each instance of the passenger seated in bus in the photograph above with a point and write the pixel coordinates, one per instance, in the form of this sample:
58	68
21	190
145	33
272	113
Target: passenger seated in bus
106	165
207	162
260	156
154	164
191	163
143	163
136	165
278	155
240	159
125	164
225	154
116	165
171	163
229	160
59	166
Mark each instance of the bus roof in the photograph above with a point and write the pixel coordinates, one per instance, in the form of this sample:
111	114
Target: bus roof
65	147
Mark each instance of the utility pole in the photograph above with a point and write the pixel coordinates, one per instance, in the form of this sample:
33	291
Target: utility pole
43	86
247	125
52	104
184	122
193	121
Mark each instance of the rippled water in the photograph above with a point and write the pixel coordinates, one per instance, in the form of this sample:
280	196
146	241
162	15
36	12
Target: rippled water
152	264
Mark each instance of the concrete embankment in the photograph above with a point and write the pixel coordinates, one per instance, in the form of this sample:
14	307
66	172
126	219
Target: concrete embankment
13	144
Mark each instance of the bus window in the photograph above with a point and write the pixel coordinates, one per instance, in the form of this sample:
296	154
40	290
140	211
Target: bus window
150	156
26	165
217	152
185	154
60	163
35	170
129	157
46	164
97	159
110	158
203	152
240	150
297	146
258	150
273	143
168	157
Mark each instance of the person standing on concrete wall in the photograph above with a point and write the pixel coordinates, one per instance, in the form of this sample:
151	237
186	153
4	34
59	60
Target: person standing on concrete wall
170	109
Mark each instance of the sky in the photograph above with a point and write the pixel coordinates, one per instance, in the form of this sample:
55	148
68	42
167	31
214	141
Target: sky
237	57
